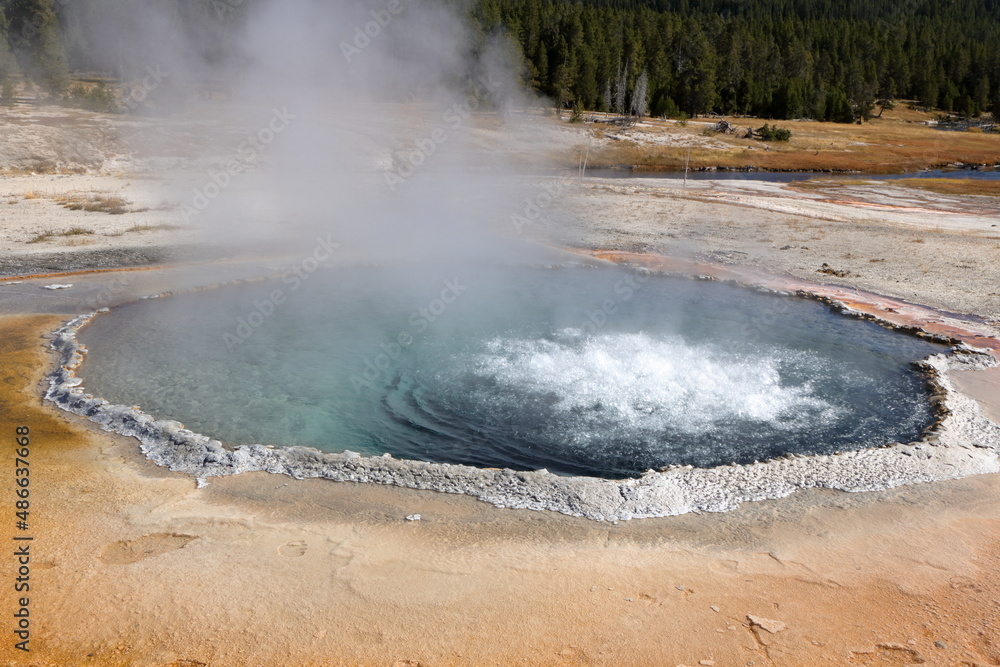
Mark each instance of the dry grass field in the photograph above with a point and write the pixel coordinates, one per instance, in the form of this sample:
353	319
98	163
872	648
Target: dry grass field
953	186
899	141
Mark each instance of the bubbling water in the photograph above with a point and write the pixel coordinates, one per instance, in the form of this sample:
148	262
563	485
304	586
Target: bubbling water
636	385
517	370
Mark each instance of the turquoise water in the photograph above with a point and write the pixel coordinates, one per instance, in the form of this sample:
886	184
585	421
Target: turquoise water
601	372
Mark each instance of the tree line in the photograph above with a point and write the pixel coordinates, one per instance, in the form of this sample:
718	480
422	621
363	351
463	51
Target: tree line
32	44
834	60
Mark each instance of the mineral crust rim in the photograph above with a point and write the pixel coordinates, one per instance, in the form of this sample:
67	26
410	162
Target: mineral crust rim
963	443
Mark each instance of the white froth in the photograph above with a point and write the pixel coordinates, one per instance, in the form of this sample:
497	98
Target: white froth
639	383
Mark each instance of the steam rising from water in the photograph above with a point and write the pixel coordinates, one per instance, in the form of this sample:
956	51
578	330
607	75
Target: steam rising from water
380	153
377	143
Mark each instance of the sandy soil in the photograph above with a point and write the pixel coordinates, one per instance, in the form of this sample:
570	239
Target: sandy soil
935	249
135	565
911	244
33	205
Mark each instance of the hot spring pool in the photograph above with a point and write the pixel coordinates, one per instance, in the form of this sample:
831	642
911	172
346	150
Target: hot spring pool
595	372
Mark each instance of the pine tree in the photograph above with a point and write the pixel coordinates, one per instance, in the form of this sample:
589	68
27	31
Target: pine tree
995	99
640	96
696	71
620	83
838	108
8	64
36	38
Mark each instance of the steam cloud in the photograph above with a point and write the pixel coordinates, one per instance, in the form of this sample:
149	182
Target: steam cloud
346	119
